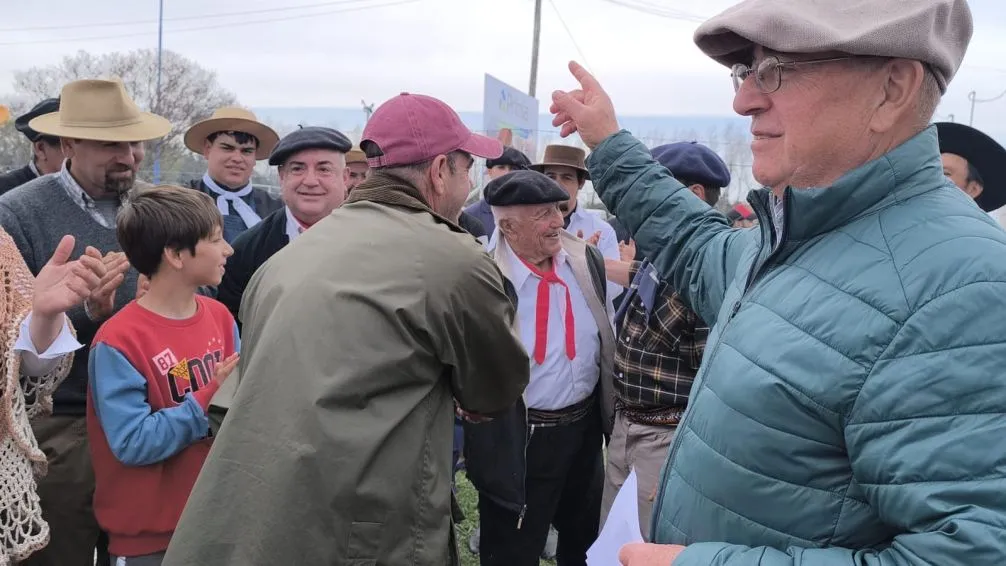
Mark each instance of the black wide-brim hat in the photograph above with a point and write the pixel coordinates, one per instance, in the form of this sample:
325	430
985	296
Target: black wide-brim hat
987	156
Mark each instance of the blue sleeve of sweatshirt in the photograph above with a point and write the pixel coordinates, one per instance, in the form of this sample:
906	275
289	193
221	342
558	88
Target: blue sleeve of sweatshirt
138	435
237	338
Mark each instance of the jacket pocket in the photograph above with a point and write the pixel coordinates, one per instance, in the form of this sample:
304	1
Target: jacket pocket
494	457
364	543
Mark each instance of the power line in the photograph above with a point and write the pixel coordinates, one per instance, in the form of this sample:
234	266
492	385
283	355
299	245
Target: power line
570	34
185	18
209	27
657	10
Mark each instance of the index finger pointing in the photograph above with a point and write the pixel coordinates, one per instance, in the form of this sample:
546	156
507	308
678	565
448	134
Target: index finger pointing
583	76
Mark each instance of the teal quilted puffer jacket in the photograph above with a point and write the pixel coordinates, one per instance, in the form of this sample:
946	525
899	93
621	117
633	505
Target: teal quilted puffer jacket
850	407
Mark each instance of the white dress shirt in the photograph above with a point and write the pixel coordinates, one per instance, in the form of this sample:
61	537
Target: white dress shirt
293	228
588	222
558	382
35	364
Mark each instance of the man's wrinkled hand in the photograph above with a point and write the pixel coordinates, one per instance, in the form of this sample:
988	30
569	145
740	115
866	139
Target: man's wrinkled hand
648	554
101	304
63	284
593	240
587	110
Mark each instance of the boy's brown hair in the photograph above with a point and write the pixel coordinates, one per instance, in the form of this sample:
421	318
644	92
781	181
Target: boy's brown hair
164	217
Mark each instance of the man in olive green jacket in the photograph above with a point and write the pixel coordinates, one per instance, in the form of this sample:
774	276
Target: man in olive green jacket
359	338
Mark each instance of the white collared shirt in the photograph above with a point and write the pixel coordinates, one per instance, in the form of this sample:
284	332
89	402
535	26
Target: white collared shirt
293	228
558	382
583	220
37	364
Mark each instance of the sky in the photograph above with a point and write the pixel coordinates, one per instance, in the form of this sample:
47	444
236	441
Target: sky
318	53
324	54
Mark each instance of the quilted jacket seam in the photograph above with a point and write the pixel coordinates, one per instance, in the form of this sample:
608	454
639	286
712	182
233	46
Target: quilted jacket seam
795	388
843	291
832	494
809	334
782	534
941	242
763	425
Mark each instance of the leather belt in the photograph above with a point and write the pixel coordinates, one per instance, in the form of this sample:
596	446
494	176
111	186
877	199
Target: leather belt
565	416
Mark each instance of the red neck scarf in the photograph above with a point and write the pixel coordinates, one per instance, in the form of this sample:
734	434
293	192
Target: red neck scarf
541	313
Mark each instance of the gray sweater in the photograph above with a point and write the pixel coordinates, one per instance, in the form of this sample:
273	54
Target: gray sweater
37	215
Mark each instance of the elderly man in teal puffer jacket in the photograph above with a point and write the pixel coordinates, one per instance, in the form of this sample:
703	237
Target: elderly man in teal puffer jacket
850	407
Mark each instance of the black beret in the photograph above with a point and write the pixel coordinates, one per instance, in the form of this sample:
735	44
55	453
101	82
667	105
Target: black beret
524	187
311	137
690	161
47	106
511	156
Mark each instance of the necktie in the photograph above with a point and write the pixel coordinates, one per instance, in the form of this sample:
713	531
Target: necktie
246	212
546	278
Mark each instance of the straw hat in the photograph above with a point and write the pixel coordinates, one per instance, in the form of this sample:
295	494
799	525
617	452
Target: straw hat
564	155
232	119
356	155
100	110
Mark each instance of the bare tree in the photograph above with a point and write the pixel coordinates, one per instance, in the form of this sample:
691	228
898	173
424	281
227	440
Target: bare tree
188	92
15	150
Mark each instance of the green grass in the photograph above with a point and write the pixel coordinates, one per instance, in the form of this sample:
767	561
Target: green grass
469	501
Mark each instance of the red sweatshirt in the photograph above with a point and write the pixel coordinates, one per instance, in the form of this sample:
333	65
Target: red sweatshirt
150	382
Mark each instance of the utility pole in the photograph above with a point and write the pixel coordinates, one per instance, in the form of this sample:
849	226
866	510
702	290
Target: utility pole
534	48
157	96
972	97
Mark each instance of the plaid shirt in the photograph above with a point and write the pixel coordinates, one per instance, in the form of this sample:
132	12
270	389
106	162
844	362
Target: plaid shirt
656	360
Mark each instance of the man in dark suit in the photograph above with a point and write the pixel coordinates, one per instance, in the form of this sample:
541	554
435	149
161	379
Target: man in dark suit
47	157
312	176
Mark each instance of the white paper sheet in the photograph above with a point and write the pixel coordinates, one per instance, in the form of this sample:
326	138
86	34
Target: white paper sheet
620	528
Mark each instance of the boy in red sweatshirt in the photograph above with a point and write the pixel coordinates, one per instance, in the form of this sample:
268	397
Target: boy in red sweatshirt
154	367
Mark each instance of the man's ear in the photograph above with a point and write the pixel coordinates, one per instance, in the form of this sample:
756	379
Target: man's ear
699	191
974	189
438	174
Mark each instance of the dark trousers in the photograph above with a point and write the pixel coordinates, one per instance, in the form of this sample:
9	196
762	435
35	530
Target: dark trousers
66	494
563	488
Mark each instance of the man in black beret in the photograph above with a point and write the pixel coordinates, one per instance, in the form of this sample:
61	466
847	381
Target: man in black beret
511	160
547	468
312	178
47	157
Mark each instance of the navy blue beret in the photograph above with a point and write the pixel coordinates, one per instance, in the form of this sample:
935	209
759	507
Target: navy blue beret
47	106
524	187
511	156
311	137
693	162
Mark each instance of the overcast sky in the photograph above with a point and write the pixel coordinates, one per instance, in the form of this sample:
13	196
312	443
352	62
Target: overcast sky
335	53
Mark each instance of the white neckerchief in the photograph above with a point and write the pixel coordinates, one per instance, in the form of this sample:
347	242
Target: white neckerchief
246	212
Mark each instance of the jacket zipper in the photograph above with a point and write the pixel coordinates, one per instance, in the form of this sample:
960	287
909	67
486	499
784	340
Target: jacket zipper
752	278
523	509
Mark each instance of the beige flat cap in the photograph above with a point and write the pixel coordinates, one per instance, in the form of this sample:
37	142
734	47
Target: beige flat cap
936	32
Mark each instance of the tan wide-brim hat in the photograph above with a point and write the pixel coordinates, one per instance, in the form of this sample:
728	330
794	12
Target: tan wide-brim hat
100	110
356	155
565	156
232	119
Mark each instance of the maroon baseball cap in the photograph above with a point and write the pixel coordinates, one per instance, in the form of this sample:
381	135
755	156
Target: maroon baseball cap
412	128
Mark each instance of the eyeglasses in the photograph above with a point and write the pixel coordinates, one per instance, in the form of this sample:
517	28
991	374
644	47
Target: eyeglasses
768	73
